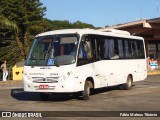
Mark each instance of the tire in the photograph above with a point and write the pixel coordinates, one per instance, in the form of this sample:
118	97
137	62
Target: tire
86	91
128	84
44	96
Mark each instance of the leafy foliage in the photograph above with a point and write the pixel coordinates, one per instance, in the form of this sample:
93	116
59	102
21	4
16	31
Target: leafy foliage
26	19
79	24
23	13
48	25
9	52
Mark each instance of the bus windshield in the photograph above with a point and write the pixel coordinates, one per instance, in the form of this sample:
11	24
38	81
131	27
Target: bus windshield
53	50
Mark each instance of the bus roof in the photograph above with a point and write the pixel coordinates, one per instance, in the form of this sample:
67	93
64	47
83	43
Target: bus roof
108	32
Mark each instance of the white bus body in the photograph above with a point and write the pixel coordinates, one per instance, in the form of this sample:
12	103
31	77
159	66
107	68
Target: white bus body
73	60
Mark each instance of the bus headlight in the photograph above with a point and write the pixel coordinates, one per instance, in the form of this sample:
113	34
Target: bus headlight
29	78
25	74
66	76
69	73
62	78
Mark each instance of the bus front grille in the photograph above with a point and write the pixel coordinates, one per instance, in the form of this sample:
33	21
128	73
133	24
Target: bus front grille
45	80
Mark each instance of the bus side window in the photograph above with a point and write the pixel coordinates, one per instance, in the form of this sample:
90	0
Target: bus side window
140	48
120	48
109	50
84	53
115	50
99	49
134	49
127	49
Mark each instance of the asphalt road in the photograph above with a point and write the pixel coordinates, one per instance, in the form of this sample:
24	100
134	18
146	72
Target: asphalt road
144	96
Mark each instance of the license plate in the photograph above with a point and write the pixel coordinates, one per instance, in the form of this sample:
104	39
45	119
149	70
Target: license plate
43	86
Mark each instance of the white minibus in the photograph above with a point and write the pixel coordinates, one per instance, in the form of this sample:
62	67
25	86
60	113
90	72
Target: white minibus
78	60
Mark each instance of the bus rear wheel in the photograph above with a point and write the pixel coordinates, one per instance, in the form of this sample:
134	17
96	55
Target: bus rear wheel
128	84
86	91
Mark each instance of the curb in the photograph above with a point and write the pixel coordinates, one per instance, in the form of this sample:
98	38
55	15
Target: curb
10	82
153	73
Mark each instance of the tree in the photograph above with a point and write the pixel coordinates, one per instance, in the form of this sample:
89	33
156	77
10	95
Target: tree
48	25
6	27
25	14
79	24
20	20
7	22
9	50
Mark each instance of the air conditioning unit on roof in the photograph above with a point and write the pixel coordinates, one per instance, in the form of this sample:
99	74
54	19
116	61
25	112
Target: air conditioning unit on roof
115	31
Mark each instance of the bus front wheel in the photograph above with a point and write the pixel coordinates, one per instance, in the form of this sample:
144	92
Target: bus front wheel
86	91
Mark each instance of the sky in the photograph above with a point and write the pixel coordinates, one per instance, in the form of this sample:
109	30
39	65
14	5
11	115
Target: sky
101	13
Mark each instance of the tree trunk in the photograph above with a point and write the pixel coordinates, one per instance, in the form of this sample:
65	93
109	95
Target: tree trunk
25	44
19	45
